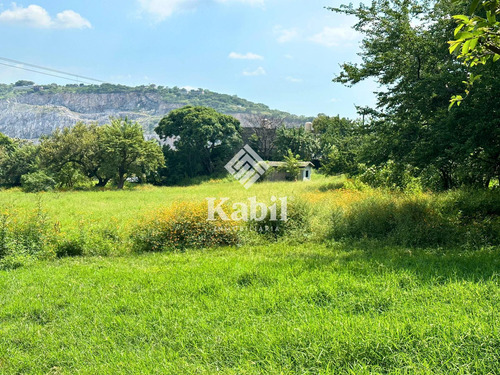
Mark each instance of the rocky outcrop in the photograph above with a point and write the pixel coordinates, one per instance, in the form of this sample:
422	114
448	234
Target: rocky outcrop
30	114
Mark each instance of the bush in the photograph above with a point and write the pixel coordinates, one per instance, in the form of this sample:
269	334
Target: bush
460	218
182	226
373	217
14	261
298	221
37	182
69	248
28	234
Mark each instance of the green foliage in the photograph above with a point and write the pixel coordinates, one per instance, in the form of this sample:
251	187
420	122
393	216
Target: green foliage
24	83
77	150
36	182
183	226
477	39
298	141
291	166
390	175
17	158
113	151
341	140
422	221
70	248
27	235
296	228
204	140
404	49
127	152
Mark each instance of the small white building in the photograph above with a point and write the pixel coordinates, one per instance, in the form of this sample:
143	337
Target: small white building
276	172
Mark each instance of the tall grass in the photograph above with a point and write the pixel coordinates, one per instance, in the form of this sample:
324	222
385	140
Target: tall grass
148	218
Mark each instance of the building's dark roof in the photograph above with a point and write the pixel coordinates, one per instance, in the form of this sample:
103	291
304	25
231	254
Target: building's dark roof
302	164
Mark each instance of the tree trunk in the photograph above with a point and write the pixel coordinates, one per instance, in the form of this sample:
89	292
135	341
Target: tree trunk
446	179
121	182
102	182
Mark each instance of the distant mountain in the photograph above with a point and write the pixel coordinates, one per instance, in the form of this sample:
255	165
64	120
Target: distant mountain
29	111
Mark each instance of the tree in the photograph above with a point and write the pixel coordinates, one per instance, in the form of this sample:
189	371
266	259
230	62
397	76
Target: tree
477	39
404	48
204	140
24	83
340	140
299	141
264	133
291	166
127	152
79	148
17	158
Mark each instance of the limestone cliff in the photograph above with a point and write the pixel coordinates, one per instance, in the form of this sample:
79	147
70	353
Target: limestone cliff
30	113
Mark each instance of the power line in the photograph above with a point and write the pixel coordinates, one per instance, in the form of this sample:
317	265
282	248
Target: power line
36	71
50	70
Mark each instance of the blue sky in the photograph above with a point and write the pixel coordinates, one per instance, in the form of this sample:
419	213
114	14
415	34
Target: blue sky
283	53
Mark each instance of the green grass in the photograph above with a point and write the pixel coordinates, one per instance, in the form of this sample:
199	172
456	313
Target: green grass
126	206
302	305
274	309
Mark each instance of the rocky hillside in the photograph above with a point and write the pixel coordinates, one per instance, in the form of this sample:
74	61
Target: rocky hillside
29	111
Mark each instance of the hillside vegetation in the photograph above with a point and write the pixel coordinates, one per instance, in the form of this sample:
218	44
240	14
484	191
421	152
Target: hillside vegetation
29	111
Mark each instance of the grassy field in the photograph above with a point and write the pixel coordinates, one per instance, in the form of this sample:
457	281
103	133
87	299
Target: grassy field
274	309
308	303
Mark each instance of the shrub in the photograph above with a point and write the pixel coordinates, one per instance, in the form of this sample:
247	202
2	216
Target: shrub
421	221
14	261
372	217
297	224
182	226
37	182
416	220
459	218
69	248
28	234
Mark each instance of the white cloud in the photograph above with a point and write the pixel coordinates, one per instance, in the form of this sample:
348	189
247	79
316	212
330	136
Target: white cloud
160	10
247	56
260	71
38	17
71	20
335	36
293	79
285	35
249	2
289	57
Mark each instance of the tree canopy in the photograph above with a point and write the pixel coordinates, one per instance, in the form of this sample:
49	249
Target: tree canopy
405	49
203	140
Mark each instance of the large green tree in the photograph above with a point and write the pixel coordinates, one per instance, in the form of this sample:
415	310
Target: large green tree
340	141
203	140
405	49
127	152
79	148
298	141
17	158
